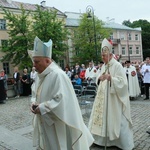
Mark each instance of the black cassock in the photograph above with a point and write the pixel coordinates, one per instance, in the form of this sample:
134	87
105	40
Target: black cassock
2	91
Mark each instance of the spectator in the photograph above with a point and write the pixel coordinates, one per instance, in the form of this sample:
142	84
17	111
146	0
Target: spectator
82	67
16	78
5	78
68	72
26	83
82	72
145	70
77	80
76	69
33	75
140	79
72	72
20	85
2	87
82	75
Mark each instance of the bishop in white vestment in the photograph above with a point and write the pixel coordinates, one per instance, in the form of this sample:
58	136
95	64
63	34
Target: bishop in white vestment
112	98
58	122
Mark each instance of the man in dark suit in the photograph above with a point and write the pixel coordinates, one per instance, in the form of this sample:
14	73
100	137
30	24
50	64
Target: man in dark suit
2	87
16	77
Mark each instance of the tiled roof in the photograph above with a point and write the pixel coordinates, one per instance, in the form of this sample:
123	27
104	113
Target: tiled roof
114	25
27	6
72	22
73	15
16	5
73	19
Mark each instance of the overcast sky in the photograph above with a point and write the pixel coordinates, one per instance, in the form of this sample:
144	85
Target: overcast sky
120	10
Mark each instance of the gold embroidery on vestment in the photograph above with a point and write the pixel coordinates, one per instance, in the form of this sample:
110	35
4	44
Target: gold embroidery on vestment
99	106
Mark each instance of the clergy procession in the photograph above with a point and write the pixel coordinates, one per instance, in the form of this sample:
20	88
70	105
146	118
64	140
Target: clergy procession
57	128
58	123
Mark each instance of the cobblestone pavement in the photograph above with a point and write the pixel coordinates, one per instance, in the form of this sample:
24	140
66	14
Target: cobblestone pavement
16	118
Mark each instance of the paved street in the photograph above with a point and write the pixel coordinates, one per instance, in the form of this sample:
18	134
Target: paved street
16	125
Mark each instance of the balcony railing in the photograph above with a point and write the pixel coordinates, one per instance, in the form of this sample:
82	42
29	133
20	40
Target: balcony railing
115	41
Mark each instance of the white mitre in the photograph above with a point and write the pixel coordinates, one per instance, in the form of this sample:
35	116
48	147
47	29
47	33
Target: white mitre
106	46
43	49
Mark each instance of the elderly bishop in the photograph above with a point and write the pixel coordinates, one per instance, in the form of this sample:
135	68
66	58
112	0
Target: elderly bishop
110	121
58	122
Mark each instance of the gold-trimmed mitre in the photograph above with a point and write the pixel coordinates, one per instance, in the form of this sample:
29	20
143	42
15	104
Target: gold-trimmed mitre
106	46
43	49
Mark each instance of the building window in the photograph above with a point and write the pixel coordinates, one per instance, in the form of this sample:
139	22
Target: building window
6	67
111	36
123	50
122	36
130	50
129	36
2	24
137	50
136	37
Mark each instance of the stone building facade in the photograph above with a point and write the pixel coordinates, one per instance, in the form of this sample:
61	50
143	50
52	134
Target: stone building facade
127	42
14	7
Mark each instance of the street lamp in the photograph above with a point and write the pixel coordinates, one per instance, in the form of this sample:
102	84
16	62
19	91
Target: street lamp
128	36
90	14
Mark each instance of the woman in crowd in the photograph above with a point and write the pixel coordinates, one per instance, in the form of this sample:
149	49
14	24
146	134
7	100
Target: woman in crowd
26	83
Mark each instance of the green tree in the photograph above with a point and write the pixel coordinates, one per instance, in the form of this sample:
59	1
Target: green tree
145	25
127	23
84	40
48	26
18	28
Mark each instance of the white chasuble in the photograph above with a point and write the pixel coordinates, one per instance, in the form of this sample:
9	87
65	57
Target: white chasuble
119	123
60	125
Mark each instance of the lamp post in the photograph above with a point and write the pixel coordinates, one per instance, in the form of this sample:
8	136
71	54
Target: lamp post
90	14
128	46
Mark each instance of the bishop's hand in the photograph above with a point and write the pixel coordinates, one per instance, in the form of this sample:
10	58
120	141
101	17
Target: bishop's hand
35	108
105	77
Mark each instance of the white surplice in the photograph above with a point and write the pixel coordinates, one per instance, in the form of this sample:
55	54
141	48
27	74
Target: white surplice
119	131
60	125
133	83
91	73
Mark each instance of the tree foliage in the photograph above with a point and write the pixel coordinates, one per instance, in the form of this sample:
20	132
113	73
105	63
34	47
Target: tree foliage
127	23
145	25
22	29
84	40
48	26
18	28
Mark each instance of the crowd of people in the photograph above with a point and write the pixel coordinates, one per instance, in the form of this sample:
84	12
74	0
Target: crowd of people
21	80
137	76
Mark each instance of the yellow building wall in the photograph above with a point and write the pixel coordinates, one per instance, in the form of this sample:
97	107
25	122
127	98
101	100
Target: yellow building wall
4	35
